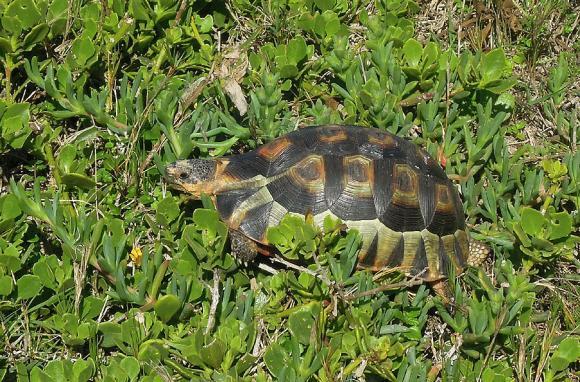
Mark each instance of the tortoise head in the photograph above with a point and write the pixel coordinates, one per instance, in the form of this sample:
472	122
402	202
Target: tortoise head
478	252
194	176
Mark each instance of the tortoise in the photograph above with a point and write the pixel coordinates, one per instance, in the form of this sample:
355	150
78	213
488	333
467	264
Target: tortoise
406	209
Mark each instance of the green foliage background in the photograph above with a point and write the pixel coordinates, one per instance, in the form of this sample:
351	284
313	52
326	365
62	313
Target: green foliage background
106	275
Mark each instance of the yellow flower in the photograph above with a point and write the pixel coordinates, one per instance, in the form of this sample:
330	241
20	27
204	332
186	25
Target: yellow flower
136	255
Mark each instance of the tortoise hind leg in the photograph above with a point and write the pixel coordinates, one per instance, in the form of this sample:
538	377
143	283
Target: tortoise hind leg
243	247
478	252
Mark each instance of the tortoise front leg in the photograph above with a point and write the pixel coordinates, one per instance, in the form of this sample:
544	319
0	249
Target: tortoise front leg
243	247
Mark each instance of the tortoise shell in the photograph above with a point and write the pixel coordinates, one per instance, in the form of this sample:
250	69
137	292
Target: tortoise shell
408	212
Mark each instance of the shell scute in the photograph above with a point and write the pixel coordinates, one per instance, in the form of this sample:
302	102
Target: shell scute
294	197
246	166
445	219
274	149
309	173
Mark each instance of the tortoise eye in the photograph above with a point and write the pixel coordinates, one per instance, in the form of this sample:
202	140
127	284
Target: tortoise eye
183	176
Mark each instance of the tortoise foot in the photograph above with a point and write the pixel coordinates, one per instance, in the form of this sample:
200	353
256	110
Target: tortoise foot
243	248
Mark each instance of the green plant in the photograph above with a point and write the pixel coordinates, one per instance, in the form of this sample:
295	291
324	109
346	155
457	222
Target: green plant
107	275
